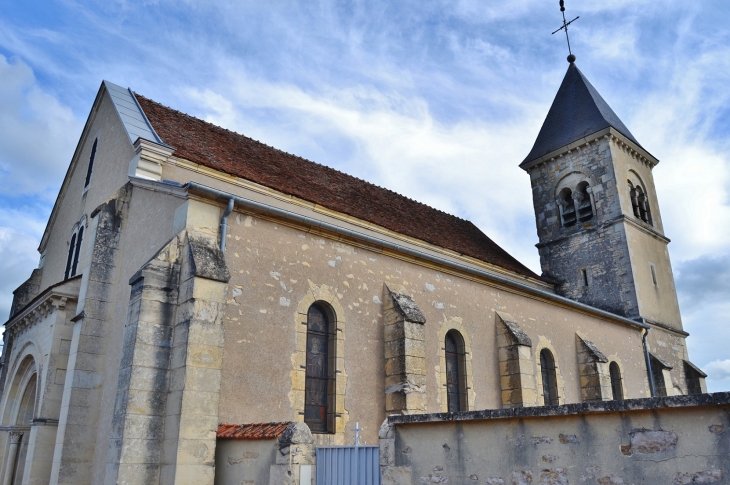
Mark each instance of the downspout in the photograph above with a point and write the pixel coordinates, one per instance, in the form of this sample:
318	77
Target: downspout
315	223
224	224
652	389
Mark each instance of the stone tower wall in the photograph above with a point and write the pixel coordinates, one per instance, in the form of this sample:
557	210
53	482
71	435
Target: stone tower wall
598	246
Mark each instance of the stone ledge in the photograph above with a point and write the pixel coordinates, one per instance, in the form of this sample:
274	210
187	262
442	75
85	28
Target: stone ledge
714	399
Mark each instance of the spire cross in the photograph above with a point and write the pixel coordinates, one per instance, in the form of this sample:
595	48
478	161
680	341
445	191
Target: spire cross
571	57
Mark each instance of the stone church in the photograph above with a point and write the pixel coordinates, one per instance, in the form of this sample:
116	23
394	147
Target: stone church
199	291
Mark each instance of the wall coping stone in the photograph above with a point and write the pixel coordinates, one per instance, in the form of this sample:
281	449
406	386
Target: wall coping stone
643	404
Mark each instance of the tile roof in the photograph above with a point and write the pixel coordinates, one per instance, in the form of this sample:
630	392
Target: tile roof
253	431
220	149
577	111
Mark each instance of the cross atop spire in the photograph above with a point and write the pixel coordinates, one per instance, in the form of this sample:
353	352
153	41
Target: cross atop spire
571	57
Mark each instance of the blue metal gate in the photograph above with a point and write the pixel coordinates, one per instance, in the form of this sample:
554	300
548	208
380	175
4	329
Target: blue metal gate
348	465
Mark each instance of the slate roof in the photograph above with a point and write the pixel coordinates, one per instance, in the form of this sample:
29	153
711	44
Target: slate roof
238	155
253	431
577	111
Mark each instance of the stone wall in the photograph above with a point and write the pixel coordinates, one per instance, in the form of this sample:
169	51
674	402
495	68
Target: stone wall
673	440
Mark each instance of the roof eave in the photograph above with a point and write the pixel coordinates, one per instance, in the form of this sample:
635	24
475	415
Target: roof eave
609	132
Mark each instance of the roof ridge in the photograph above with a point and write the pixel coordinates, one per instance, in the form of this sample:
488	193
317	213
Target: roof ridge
217	127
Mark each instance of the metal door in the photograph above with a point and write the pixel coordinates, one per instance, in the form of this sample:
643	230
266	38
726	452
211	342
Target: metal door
348	465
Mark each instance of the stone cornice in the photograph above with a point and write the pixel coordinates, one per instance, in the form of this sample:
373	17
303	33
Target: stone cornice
149	159
622	142
622	218
54	298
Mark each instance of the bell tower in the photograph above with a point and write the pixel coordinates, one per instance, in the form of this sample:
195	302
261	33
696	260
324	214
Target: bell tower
600	231
597	214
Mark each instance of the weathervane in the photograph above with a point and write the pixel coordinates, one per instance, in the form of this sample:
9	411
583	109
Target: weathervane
571	57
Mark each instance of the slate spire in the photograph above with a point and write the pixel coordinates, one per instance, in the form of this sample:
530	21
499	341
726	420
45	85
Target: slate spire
577	111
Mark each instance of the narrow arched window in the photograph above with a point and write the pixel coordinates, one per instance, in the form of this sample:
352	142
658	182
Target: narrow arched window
583	201
91	164
549	378
319	378
70	259
456	397
77	252
617	387
634	196
567	207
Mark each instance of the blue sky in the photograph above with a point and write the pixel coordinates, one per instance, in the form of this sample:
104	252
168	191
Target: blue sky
438	100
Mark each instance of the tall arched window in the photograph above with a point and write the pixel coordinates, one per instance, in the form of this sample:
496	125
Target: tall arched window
70	259
567	207
583	201
320	374
549	378
455	372
617	387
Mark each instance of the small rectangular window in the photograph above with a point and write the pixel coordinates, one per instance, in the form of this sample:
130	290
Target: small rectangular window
653	274
584	277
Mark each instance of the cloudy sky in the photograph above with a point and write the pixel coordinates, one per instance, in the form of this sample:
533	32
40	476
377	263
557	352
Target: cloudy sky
439	100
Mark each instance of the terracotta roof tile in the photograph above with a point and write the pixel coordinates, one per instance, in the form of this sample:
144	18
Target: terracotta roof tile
253	431
238	155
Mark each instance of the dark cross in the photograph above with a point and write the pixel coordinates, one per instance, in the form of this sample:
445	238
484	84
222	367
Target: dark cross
571	57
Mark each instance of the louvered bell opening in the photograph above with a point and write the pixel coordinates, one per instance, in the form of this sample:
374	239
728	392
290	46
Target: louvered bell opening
569	217
585	211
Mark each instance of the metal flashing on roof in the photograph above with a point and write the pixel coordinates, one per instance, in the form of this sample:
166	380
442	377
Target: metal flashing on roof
131	114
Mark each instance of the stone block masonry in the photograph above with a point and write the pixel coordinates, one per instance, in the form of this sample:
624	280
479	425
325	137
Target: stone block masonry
166	411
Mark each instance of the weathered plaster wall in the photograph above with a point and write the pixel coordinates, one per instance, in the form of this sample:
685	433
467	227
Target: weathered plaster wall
109	173
244	462
274	267
669	441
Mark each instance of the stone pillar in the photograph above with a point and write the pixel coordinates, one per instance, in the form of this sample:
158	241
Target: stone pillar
595	378
14	444
191	412
389	472
405	353
295	447
76	440
516	369
139	413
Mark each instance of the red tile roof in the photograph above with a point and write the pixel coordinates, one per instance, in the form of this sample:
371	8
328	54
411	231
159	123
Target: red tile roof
253	431
238	155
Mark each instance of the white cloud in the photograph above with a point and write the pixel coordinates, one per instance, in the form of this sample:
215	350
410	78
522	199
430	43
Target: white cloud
718	375
17	258
37	133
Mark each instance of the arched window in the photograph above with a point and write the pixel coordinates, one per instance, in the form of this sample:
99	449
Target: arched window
74	251
617	387
70	259
27	403
583	201
549	378
567	207
455	372
320	374
640	203
91	164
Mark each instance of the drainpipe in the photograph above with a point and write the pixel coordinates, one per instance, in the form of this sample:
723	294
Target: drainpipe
224	224
652	389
